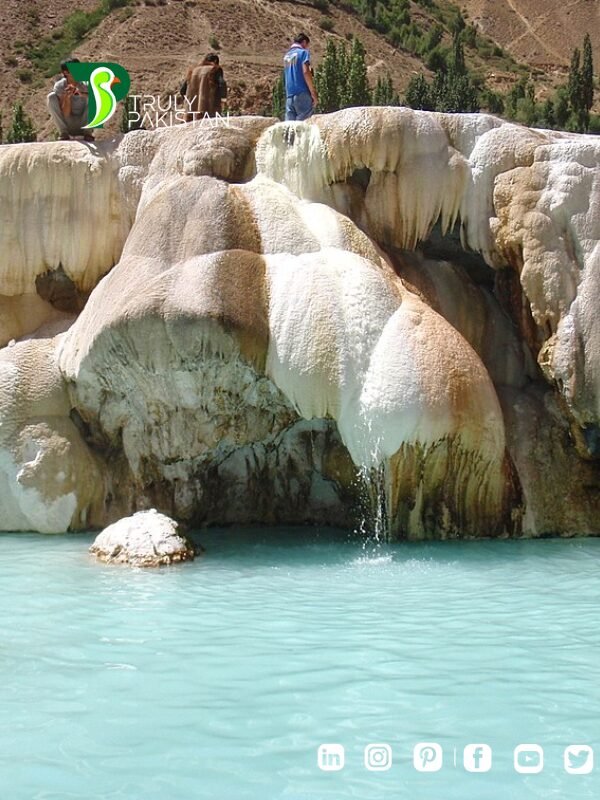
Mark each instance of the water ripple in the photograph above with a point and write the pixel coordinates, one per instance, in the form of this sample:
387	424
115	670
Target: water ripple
219	679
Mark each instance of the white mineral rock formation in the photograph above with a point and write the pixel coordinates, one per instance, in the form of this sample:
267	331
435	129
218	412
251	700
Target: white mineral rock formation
294	307
525	199
50	479
62	208
146	539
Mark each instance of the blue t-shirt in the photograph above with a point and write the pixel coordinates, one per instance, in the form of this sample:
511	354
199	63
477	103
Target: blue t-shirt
293	61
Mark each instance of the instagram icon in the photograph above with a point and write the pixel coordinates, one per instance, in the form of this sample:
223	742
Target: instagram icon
378	757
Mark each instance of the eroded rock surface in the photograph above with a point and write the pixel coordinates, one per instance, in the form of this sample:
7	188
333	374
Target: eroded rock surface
274	327
146	539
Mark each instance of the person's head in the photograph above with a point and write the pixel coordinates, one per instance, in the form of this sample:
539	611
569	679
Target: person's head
302	39
64	67
211	58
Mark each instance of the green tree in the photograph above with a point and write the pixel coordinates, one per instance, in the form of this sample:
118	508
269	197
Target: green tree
548	118
126	124
418	94
526	111
458	55
516	93
357	91
370	7
561	107
587	79
343	65
469	36
524	107
574	81
278	98
457	24
328	79
21	129
455	93
433	38
492	101
383	94
575	92
382	19
436	60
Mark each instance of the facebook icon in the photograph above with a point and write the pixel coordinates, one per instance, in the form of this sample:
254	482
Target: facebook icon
477	758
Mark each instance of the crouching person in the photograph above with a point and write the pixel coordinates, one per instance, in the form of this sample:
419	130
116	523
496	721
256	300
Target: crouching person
68	105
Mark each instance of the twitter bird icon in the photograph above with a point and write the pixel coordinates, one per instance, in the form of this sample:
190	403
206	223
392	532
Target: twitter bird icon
579	759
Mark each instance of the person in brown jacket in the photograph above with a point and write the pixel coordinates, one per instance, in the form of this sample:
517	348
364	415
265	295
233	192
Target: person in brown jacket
204	88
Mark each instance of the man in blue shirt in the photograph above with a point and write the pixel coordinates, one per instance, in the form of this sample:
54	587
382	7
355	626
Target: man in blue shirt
300	92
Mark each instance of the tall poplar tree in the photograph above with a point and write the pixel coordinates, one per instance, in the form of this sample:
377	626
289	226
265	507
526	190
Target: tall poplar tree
575	90
419	94
587	79
357	92
327	79
383	94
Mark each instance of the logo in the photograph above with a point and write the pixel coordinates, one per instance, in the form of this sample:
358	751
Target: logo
108	82
427	757
579	759
378	757
330	757
477	758
529	759
154	111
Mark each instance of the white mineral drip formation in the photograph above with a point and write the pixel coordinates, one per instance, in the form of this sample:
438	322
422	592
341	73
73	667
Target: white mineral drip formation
268	325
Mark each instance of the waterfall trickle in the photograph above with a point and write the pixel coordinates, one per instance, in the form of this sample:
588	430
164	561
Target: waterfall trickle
294	155
373	488
374	527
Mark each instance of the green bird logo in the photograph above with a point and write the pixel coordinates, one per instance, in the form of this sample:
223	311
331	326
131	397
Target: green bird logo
109	82
102	80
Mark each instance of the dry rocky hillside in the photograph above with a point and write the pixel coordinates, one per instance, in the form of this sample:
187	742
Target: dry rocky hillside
157	39
542	33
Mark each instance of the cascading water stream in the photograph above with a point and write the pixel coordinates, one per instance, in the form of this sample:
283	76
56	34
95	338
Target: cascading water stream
374	525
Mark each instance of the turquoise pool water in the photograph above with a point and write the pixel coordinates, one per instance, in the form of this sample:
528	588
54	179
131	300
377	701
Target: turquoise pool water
221	679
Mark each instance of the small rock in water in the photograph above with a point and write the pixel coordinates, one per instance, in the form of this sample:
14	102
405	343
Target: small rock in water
146	539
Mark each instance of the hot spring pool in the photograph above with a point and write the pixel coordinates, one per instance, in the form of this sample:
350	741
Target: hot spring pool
220	679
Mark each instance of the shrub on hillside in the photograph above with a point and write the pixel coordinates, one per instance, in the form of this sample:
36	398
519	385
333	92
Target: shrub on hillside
21	128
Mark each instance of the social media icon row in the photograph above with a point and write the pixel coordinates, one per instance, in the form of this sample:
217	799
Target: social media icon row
332	757
429	757
528	759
